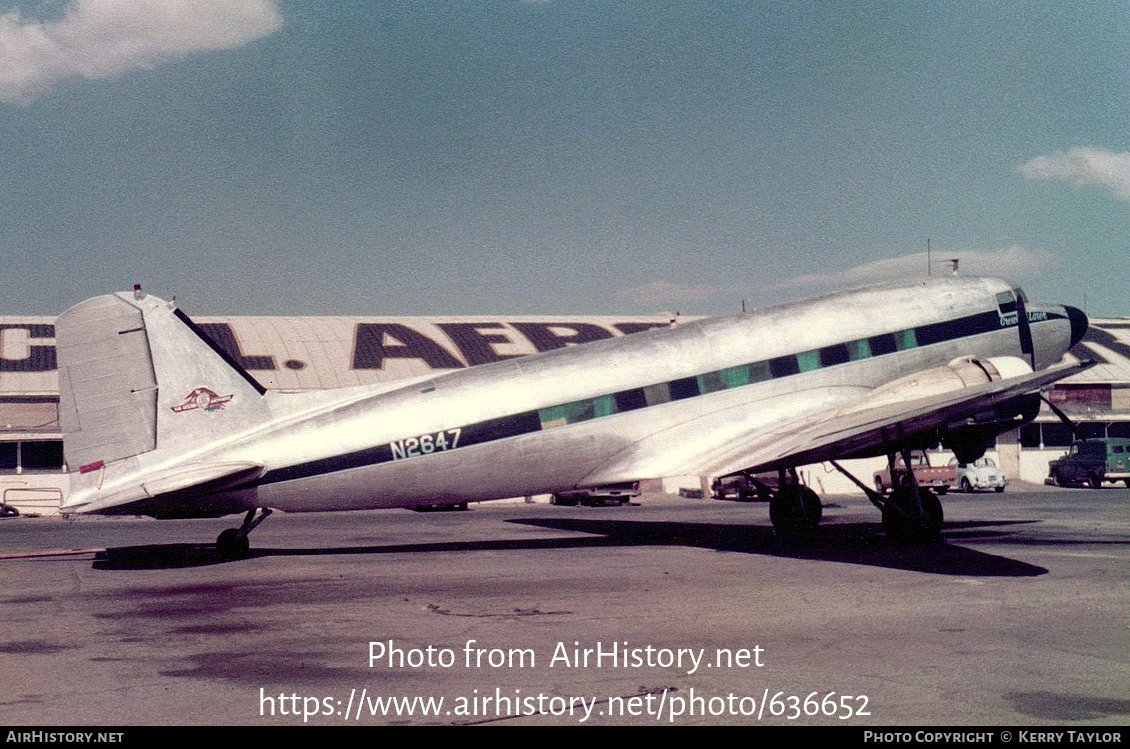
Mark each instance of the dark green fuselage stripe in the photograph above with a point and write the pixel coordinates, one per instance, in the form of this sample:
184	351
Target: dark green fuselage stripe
527	422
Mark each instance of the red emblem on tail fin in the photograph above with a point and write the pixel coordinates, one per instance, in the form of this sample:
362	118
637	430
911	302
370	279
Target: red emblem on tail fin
202	398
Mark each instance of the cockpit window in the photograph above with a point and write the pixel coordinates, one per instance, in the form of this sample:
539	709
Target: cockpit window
1020	294
1007	302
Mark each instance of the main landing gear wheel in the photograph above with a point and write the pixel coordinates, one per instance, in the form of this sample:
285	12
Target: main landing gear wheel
905	523
233	543
794	509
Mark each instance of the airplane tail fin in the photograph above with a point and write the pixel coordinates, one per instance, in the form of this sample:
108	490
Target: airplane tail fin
136	375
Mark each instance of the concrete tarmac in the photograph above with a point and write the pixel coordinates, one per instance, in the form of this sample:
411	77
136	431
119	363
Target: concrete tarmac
669	611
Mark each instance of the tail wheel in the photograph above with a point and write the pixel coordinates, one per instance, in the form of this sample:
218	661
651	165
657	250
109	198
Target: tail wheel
231	545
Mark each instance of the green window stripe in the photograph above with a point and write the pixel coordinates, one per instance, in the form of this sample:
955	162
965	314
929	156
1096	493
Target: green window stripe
808	361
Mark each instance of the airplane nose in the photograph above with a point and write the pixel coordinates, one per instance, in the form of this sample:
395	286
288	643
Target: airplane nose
1079	323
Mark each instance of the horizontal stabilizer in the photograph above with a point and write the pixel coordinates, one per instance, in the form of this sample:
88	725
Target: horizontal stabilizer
186	480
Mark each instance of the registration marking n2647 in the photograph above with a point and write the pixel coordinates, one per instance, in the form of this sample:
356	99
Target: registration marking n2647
425	444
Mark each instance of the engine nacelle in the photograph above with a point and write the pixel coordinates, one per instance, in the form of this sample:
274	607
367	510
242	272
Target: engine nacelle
967	438
959	374
970	437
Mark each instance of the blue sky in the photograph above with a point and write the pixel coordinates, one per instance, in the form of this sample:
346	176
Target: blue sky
384	158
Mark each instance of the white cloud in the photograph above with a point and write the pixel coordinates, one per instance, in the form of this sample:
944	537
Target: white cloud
104	38
1013	262
1084	166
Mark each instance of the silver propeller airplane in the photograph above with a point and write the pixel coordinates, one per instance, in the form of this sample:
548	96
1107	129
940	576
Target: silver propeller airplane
160	421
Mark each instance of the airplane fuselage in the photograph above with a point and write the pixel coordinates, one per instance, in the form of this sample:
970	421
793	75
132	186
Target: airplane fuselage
566	418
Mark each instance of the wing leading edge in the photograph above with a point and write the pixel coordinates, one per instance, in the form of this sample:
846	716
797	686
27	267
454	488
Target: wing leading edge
856	424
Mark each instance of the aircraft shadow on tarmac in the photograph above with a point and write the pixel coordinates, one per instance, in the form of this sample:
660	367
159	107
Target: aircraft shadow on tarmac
852	543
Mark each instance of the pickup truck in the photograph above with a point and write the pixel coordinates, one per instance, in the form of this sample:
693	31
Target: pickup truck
938	478
1092	462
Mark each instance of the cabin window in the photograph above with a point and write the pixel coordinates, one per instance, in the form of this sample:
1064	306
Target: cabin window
833	355
656	394
859	350
906	339
808	361
783	366
882	344
629	400
724	379
760	372
687	387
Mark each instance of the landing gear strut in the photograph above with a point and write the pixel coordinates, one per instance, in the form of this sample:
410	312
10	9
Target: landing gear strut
911	514
233	543
793	508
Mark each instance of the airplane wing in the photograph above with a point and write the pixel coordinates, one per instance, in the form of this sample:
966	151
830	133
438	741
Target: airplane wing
837	423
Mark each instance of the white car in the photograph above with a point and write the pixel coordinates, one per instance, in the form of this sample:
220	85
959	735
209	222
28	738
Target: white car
980	474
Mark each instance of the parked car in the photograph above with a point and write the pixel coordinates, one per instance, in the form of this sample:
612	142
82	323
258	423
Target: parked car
440	507
1092	462
744	487
980	474
938	478
598	496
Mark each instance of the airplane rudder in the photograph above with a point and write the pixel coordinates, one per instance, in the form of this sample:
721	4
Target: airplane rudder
107	383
